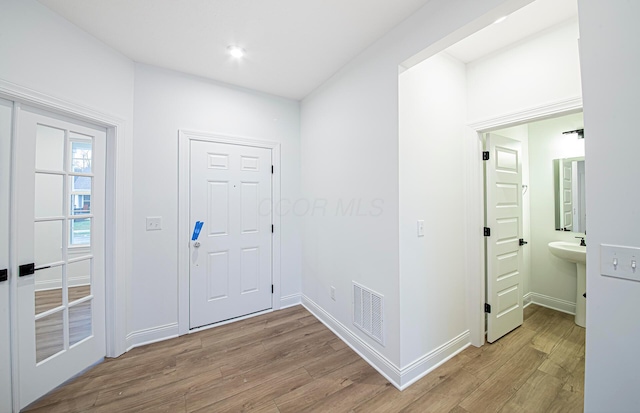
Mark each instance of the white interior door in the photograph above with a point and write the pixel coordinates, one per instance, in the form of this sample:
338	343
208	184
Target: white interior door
230	263
6	110
60	185
503	178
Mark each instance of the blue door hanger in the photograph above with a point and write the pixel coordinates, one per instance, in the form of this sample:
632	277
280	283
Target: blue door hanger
196	230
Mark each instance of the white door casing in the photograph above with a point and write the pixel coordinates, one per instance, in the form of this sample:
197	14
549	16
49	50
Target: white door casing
60	182
230	263
503	180
6	115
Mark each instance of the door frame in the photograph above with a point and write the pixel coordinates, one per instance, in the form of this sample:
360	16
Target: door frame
475	202
117	215
184	223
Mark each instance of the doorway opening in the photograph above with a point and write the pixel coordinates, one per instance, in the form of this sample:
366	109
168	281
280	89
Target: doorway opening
502	75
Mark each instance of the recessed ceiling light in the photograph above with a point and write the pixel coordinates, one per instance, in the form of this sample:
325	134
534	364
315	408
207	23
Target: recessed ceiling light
235	51
500	20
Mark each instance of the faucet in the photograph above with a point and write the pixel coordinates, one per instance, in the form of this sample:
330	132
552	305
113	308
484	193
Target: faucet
583	243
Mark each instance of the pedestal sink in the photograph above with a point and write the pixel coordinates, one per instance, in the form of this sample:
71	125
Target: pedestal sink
576	254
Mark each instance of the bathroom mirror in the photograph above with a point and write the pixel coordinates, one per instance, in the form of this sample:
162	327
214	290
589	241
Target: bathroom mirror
569	184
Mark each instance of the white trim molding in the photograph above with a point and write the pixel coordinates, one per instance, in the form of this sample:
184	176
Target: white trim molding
528	115
118	258
401	378
184	224
552	303
290	300
151	335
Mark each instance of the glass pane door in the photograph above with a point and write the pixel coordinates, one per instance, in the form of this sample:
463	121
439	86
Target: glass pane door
60	182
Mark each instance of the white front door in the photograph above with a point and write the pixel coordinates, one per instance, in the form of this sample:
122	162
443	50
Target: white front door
6	110
503	180
60	186
230	262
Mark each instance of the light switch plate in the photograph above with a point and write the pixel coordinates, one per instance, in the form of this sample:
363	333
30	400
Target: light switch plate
421	228
622	257
154	223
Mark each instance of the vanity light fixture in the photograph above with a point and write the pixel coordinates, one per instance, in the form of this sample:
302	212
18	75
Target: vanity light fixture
580	133
500	20
235	51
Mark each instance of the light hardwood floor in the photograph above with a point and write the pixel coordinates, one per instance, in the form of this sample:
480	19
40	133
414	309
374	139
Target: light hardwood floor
287	361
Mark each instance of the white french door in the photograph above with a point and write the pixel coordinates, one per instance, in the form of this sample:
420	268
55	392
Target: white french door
230	262
60	187
6	114
503	181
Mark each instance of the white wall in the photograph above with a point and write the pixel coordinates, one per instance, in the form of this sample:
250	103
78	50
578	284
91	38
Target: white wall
165	102
44	52
610	53
553	280
536	71
350	151
432	107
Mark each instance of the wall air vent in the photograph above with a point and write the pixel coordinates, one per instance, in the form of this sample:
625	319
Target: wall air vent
368	308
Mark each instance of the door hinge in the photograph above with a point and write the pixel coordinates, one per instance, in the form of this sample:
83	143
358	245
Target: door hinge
271	168
4	275
485	155
522	242
487	308
272	228
487	231
271	288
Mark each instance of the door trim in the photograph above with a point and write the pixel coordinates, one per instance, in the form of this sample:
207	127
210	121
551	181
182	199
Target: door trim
184	225
117	213
474	245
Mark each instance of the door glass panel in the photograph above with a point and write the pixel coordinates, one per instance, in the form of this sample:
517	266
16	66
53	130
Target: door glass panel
79	322
49	148
49	335
48	289
49	192
80	191
79	279
81	153
47	242
80	232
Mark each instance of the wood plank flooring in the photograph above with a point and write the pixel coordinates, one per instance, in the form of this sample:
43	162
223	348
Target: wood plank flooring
287	361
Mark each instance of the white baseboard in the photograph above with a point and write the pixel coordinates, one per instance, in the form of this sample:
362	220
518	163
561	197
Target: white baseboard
151	335
290	300
526	300
435	358
400	378
553	303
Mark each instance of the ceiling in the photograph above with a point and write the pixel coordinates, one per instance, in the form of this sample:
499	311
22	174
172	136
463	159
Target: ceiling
292	46
526	22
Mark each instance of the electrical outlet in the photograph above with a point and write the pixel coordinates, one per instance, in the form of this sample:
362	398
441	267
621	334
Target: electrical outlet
154	223
333	293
